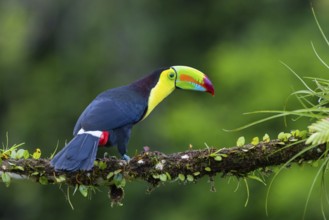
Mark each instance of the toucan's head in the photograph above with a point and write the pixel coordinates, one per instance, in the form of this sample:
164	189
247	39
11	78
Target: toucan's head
182	77
191	79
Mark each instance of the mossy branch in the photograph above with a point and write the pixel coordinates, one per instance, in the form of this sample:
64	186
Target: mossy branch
156	167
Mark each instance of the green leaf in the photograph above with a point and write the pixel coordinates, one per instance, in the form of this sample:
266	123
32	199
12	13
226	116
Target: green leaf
37	154
281	136
26	154
6	178
109	175
20	154
255	141
168	176
18	168
320	130
163	177
181	177
156	176
35	173
197	173
284	136
295	133
208	169
303	134
60	179
102	165
241	141
13	154
288	135
190	178
83	190
213	155
119	180
218	158
117	171
266	138
122	183
43	180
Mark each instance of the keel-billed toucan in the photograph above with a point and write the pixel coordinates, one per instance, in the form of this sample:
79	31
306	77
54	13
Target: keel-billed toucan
108	119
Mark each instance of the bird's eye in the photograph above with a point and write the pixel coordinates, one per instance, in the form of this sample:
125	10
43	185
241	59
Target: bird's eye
171	75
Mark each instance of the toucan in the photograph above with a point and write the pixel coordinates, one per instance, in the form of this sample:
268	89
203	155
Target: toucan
109	118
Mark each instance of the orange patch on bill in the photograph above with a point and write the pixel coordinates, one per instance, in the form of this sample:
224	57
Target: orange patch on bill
188	78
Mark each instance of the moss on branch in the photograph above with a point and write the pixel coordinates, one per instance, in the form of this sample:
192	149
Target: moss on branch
156	167
148	166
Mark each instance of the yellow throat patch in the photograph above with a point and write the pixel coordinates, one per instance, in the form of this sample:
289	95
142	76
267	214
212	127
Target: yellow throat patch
161	90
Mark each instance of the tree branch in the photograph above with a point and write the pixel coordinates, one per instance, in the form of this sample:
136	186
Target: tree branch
156	167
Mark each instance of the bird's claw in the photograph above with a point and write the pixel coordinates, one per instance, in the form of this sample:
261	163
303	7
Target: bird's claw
126	157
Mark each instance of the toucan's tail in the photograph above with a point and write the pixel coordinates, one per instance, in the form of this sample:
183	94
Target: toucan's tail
78	154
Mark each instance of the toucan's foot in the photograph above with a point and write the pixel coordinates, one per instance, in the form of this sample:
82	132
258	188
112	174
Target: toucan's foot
126	157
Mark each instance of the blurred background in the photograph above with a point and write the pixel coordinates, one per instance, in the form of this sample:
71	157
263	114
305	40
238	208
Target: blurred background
56	56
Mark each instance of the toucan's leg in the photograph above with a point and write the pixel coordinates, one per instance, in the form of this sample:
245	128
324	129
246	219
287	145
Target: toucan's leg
123	135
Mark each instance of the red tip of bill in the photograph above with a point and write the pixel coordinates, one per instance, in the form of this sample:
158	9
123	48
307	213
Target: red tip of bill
208	85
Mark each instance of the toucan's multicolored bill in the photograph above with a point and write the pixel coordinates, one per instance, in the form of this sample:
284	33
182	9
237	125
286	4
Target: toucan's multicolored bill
192	79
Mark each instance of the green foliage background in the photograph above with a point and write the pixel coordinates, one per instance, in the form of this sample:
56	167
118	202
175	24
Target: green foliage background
56	56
